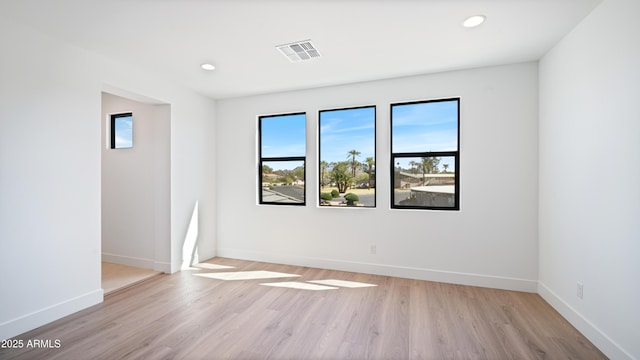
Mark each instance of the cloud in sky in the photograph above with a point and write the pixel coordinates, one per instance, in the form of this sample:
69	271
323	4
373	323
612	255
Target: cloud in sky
423	141
283	165
431	114
347	129
423	127
124	132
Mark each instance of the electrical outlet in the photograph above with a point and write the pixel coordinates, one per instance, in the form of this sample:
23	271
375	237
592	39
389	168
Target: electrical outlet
373	249
580	290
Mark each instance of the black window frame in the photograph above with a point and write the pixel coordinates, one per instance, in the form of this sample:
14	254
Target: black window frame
262	160
375	150
398	155
113	118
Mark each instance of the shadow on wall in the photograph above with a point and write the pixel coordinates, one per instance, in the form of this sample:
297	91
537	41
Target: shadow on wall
189	247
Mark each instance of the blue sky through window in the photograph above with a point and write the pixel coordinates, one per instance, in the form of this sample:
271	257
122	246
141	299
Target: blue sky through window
424	127
123	127
344	130
283	136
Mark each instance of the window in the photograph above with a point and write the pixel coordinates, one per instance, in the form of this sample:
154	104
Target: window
282	146
425	162
122	131
347	173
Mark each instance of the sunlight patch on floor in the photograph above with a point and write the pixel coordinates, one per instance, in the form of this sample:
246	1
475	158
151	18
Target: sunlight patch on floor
300	285
341	283
209	266
314	285
246	275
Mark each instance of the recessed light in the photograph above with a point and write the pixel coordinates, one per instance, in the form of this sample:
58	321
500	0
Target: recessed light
474	21
208	67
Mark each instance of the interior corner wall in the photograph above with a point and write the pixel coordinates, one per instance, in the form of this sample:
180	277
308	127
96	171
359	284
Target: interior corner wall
136	187
589	197
50	173
491	241
193	198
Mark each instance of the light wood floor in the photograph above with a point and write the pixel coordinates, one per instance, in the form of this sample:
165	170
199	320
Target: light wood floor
183	316
117	277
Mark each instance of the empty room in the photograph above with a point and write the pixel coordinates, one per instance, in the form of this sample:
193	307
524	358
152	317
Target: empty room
358	179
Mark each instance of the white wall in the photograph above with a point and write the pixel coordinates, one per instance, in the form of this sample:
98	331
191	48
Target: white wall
135	187
49	183
50	116
492	241
590	177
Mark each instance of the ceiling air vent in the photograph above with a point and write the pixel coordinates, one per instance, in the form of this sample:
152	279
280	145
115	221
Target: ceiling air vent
299	51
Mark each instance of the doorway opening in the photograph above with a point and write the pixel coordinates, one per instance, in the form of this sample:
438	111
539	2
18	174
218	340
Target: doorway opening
135	191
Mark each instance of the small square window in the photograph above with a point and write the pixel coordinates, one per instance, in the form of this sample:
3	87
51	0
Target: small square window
122	131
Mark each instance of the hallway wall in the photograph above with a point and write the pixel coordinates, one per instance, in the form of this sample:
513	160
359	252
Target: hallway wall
136	189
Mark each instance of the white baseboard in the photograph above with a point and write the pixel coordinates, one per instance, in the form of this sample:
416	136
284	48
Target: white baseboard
128	260
164	267
495	282
137	262
609	347
51	313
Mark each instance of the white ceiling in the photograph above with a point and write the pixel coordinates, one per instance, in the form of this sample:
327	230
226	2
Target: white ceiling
359	40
